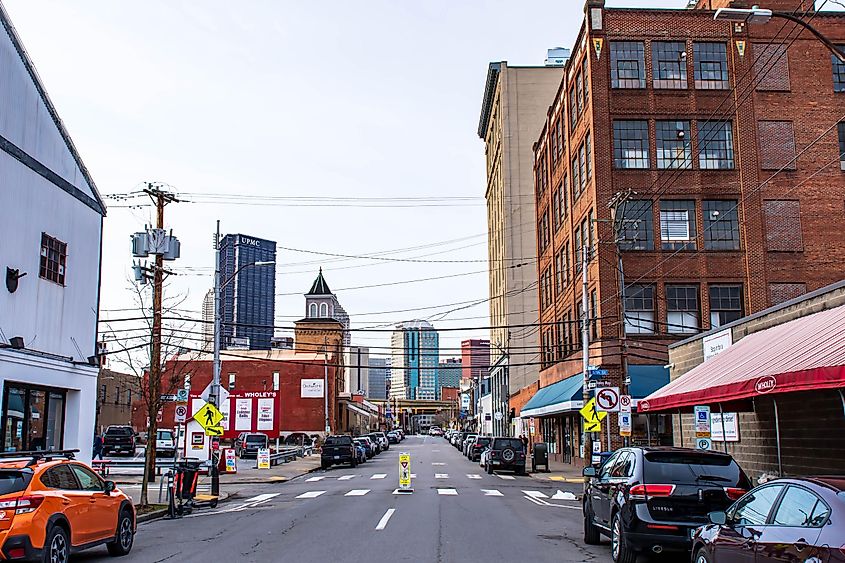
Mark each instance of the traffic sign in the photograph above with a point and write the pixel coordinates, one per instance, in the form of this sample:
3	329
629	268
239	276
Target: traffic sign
180	414
222	394
168	398
592	426
592	416
182	396
607	399
213	430
703	443
405	473
263	458
625	403
598	372
625	423
207	416
702	421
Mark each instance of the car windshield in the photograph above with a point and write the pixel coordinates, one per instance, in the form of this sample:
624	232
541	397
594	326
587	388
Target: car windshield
118	431
482	441
14	481
338	441
692	468
513	443
165	435
255	439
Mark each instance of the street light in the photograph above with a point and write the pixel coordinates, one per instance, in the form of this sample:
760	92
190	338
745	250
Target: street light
758	16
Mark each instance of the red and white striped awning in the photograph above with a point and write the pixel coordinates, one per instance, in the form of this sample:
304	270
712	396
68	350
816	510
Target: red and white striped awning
801	355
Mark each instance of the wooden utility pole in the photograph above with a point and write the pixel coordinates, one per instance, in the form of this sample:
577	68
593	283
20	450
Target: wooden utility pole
617	209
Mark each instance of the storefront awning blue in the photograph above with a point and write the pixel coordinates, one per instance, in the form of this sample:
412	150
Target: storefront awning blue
645	380
563	396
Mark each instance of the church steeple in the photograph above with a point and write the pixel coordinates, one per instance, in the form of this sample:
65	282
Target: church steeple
320	287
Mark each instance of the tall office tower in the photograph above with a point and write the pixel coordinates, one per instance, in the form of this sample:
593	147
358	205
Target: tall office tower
415	355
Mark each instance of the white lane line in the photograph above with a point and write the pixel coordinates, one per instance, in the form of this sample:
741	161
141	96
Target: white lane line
413	475
448	492
379	476
435	451
473	475
437	463
259	498
346	477
357	493
382	524
535	494
311	494
536	501
492	493
314	479
441	475
506	477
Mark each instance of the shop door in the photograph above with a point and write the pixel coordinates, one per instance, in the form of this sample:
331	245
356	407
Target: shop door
33	418
566	438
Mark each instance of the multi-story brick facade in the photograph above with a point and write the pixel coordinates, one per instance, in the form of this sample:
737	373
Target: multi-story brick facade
724	139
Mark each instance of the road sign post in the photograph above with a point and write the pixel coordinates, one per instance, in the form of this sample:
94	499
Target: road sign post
405	474
702	421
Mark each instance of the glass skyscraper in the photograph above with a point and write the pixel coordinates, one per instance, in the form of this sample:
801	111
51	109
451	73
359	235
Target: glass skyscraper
248	301
415	359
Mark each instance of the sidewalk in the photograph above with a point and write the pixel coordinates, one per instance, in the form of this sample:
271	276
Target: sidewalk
560	473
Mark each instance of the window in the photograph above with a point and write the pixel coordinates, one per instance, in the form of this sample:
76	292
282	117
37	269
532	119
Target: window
576	248
630	144
324	310
636	228
53	259
777	145
682	308
771	64
88	480
799	508
117	396
129	397
312	310
594	324
579	93
573	109
588	149
587	235
627	64
754	509
556	209
838	71
639	309
560	139
576	179
711	66
783	225
841	127
725	304
559	270
586	91
669	64
566	264
103	392
582	166
716	145
231	381
674	144
720	225
60	477
677	224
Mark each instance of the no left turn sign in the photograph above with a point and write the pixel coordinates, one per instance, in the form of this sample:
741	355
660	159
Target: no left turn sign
607	399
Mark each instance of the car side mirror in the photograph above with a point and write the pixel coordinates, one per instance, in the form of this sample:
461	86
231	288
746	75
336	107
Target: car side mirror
589	472
109	487
718	517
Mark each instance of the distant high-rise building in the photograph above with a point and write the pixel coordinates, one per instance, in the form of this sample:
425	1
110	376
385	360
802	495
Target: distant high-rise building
248	301
320	302
379	373
475	358
208	321
282	342
357	366
415	357
449	375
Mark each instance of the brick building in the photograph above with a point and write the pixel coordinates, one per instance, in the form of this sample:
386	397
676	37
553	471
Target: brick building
719	144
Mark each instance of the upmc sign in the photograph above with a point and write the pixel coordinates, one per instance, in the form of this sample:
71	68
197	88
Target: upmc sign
250	242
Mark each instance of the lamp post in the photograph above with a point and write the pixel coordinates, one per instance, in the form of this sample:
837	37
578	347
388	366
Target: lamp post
758	16
214	390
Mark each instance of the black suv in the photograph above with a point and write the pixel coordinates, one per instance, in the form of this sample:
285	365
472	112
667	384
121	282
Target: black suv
505	453
119	440
337	450
652	499
478	445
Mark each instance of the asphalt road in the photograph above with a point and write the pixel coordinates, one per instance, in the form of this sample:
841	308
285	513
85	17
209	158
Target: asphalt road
456	513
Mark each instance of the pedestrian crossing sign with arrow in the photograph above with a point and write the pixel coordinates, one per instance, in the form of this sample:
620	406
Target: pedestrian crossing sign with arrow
592	416
208	417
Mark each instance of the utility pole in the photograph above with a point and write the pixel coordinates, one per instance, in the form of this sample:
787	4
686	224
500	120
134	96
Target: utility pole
326	383
214	390
620	200
585	342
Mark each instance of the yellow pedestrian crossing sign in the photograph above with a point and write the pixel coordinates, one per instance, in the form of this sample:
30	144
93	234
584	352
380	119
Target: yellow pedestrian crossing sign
208	416
592	417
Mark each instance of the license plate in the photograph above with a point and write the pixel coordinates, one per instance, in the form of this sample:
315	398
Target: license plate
337	457
690	532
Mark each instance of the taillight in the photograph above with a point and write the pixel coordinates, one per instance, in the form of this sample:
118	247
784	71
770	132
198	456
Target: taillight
734	493
16	552
8	504
643	492
28	504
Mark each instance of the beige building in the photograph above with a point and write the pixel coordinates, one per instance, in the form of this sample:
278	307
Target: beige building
513	111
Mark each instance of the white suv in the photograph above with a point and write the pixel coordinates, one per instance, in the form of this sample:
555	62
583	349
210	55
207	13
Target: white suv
165	444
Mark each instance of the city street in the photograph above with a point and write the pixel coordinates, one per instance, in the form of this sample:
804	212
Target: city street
456	513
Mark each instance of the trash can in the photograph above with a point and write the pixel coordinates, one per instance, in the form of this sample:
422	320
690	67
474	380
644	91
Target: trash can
540	456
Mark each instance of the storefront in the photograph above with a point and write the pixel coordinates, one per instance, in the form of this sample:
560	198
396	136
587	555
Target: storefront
33	417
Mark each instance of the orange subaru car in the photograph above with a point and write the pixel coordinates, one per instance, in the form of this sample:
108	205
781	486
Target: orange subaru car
52	506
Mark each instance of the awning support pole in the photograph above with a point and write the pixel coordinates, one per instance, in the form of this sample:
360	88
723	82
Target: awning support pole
777	437
724	435
681	427
842	397
648	428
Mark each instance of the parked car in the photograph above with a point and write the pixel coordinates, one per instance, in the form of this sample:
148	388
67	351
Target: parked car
477	446
435	431
368	446
401	434
338	450
53	505
393	437
458	439
299	439
507	454
467	441
796	519
652	499
165	443
247	444
119	440
360	450
376	438
382	438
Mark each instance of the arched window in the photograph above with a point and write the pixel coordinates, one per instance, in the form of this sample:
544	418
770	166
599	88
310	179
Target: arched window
312	311
324	310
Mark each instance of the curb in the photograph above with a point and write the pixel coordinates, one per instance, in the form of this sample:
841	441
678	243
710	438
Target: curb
158	514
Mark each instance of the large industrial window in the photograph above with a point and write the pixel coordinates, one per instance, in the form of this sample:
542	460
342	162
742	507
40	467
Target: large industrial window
711	66
720	225
677	224
838	71
576	178
636	225
573	109
588	149
627	64
674	144
576	248
716	145
582	166
669	64
639	309
682	311
630	144
725	304
53	259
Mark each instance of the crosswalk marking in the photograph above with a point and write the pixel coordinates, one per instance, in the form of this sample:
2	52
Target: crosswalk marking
379	476
345	477
437	463
413	475
506	477
492	493
314	479
441	475
449	492
473	476
357	493
311	494
535	494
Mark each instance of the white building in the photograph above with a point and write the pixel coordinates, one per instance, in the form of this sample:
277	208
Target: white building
51	222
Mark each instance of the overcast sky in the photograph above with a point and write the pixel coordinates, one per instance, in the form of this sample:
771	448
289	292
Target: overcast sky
366	99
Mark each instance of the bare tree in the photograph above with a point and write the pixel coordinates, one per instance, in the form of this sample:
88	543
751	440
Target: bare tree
132	349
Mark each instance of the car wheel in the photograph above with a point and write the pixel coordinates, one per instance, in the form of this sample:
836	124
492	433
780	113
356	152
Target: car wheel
56	546
702	556
592	535
122	543
620	551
